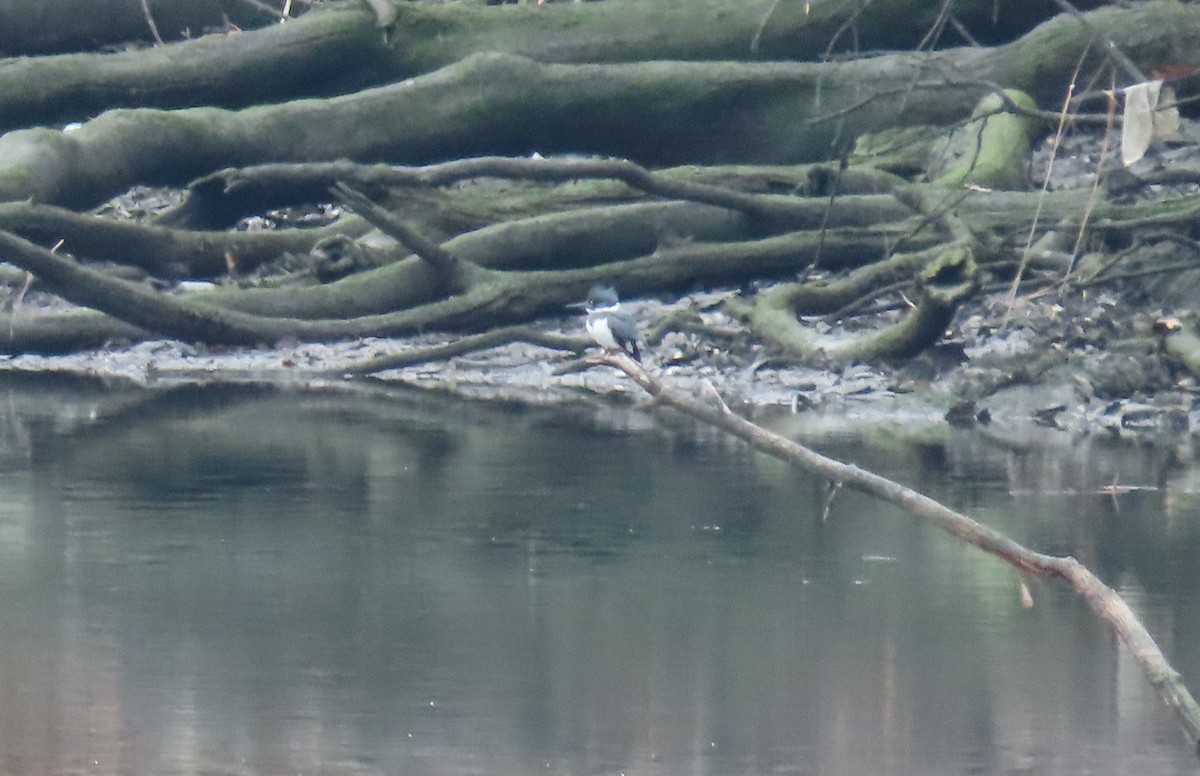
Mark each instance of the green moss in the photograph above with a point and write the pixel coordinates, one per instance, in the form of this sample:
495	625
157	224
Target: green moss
992	150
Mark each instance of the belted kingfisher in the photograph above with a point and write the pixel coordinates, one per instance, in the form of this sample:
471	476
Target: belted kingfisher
610	328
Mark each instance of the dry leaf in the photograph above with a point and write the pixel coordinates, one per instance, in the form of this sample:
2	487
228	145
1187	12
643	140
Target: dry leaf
1150	114
1137	127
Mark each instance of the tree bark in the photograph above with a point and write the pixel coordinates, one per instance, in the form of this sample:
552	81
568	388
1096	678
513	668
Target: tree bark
339	47
657	113
34	27
162	252
587	245
660	113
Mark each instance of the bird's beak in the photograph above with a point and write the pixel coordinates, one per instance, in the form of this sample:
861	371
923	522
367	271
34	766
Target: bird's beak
577	305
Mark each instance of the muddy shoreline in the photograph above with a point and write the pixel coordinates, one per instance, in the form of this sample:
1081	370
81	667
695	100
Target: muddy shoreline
1045	365
1074	360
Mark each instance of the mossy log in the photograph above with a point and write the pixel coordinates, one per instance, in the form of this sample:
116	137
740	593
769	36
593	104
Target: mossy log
1183	343
946	282
162	252
491	298
646	246
470	193
829	296
34	27
341	47
948	277
658	113
992	150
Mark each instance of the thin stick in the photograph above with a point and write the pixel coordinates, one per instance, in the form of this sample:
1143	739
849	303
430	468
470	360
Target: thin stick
762	26
1037	212
150	21
1115	54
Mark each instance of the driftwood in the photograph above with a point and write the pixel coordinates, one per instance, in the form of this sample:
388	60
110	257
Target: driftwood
1102	599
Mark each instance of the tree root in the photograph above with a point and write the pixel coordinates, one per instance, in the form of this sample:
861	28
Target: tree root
289	61
948	279
163	252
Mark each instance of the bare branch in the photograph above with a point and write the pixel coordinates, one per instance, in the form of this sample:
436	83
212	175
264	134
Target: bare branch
1103	600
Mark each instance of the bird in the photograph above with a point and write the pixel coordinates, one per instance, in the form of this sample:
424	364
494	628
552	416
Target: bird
608	327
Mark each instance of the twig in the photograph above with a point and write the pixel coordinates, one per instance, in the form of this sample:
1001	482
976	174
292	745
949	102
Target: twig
712	390
938	26
17	301
150	21
1115	54
823	230
862	304
831	491
1094	194
762	26
1037	212
261	6
961	29
385	14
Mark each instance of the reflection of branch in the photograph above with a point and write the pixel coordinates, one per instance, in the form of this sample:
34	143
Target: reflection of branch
1103	600
462	345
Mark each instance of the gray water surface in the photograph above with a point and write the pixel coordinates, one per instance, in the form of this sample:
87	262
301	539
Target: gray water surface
262	582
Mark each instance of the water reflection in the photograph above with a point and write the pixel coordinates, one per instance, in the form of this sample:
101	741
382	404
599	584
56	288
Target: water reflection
252	581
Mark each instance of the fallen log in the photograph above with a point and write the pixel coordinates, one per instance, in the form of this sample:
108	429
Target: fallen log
341	46
656	112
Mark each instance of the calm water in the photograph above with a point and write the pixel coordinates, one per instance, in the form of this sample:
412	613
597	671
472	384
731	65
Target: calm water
255	582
